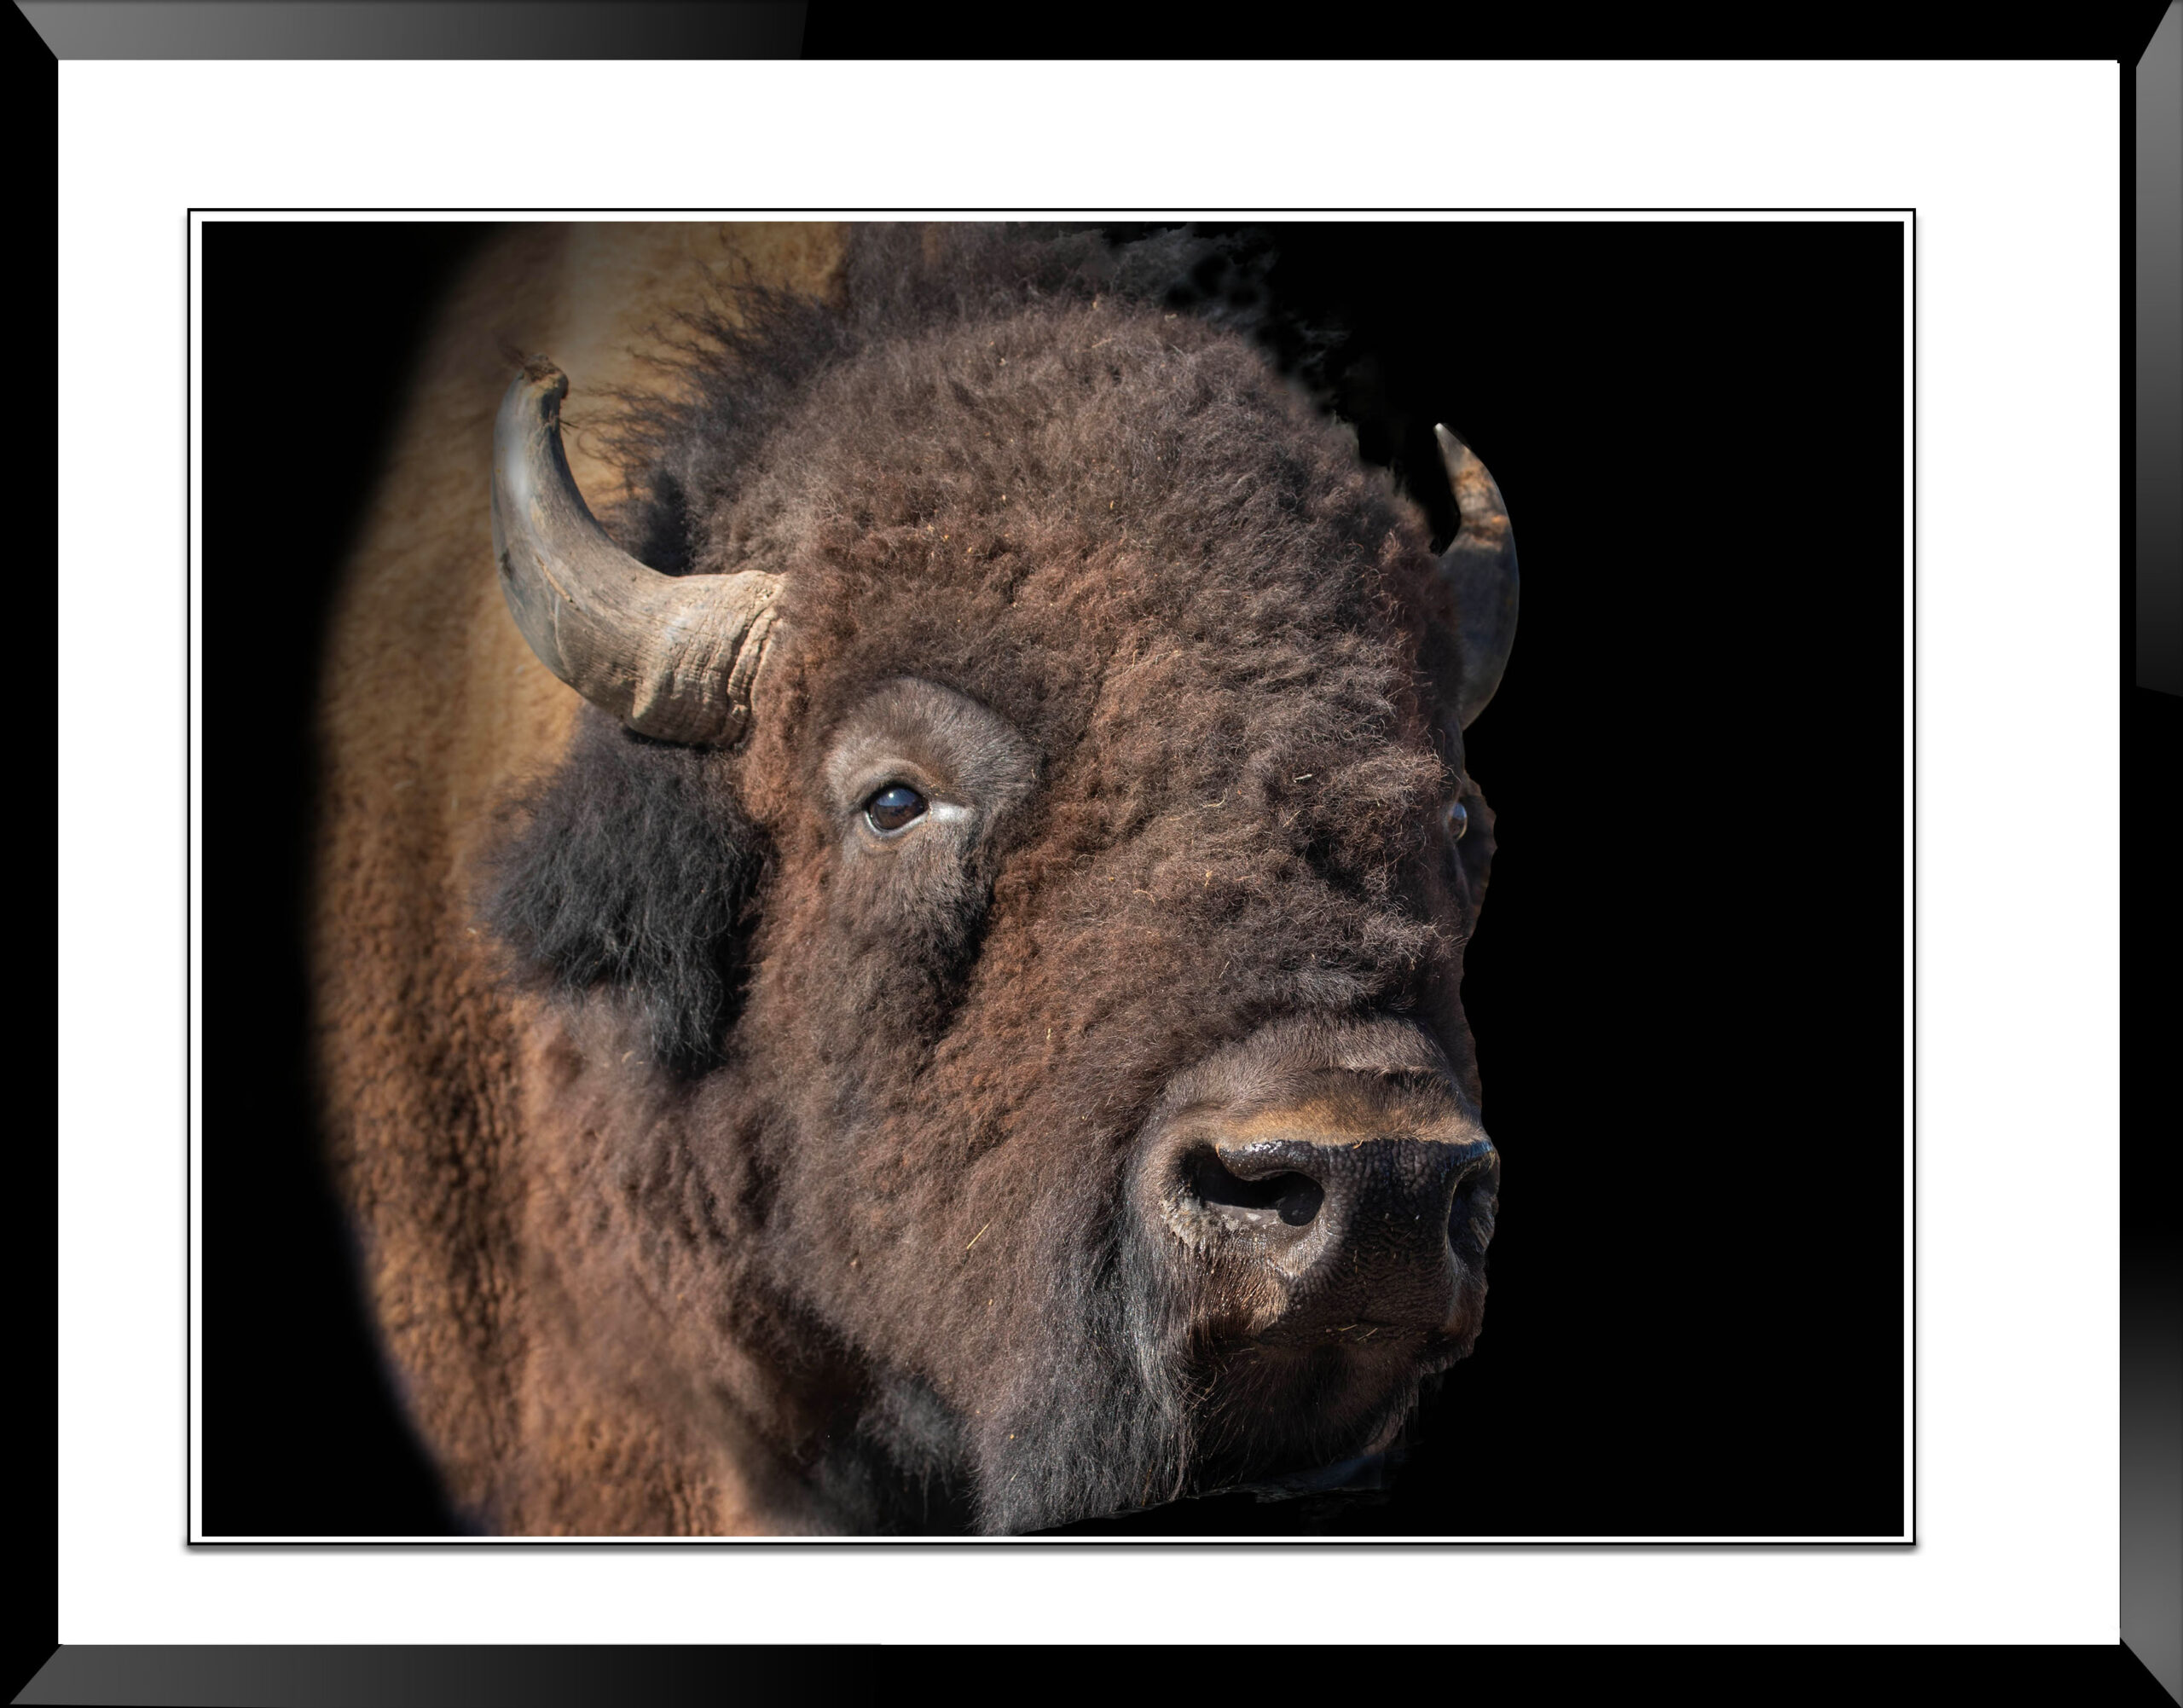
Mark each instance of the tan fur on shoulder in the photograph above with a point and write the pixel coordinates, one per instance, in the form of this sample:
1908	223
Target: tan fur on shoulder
432	709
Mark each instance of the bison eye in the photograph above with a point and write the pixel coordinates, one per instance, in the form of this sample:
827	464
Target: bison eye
893	807
1455	820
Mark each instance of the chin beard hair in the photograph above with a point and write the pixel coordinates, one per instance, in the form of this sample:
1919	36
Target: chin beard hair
1097	1432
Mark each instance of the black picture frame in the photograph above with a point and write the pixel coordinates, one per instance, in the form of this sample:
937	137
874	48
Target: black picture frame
2152	1299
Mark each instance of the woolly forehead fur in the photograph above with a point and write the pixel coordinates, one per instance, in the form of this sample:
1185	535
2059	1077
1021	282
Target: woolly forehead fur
993	469
1066	502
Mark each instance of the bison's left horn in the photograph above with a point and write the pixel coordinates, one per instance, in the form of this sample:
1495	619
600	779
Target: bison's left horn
1480	570
673	656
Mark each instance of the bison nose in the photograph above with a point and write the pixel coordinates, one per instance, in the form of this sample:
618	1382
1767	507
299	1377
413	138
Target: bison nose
1349	1235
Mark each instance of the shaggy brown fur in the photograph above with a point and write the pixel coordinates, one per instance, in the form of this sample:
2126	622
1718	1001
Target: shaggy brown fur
717	1179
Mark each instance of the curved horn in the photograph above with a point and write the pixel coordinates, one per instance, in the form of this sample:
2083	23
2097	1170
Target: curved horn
673	656
1480	570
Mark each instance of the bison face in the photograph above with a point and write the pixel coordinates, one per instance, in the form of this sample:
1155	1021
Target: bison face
1041	1086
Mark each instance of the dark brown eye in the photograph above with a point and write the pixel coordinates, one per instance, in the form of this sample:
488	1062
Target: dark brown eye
1455	820
892	808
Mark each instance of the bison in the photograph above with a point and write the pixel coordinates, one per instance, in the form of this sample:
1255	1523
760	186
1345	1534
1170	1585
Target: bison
914	985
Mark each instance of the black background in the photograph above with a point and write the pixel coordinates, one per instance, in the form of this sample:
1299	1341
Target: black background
1686	986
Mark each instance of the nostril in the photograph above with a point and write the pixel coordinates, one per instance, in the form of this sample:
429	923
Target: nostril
1470	1215
1300	1200
1293	1198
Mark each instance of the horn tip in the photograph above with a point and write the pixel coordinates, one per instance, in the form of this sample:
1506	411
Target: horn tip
1457	457
540	373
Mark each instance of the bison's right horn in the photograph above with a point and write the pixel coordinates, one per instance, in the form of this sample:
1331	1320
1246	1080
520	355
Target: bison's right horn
673	656
1479	569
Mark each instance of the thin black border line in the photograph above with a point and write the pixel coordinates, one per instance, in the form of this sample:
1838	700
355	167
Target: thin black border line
1910	925
194	212
192	1391
193	222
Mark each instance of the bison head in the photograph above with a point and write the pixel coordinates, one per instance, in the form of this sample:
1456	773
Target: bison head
1011	901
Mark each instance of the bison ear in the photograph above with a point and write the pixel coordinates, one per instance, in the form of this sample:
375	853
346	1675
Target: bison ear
628	871
1478	572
